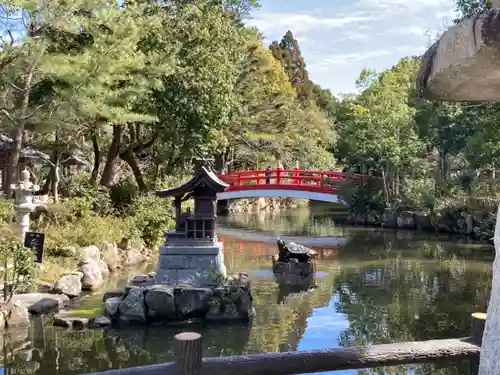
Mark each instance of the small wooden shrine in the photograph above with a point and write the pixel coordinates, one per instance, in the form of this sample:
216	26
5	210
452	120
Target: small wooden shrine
203	188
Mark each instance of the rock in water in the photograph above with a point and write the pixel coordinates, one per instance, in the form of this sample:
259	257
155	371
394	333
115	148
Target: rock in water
18	316
192	302
69	284
160	301
489	359
111	256
233	301
92	276
131	308
111	306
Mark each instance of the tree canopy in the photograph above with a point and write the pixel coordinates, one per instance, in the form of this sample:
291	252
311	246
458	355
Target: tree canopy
141	88
145	86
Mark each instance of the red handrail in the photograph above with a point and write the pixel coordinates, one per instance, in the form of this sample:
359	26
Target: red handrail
291	178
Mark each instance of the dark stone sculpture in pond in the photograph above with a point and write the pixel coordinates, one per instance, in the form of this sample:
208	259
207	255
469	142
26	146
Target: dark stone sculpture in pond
294	264
291	250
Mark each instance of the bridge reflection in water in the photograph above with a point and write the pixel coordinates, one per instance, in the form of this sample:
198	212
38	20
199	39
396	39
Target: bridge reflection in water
260	249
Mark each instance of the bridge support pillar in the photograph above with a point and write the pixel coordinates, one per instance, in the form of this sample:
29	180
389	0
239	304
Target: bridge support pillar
222	207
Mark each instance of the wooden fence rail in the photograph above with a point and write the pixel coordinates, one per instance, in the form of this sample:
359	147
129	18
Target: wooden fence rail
189	361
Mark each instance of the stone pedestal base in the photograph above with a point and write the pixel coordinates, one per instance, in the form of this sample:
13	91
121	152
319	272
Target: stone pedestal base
294	273
231	301
197	266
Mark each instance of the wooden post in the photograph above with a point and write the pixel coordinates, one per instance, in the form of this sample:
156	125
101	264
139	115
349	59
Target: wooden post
188	352
478	321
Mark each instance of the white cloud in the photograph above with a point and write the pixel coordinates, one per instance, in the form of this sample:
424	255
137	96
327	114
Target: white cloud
398	5
301	22
338	38
408	30
349	58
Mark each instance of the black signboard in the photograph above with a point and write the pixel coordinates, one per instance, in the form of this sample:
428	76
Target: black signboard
36	242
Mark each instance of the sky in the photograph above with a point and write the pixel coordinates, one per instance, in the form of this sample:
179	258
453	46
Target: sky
338	38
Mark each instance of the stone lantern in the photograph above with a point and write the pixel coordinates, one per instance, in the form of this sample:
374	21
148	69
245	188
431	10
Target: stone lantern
192	253
26	202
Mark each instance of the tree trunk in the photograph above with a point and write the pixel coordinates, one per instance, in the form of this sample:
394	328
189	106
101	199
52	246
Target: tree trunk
219	162
386	188
97	156
17	137
55	173
129	158
113	154
48	183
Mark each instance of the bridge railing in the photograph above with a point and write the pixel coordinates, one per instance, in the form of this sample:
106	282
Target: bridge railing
322	179
188	350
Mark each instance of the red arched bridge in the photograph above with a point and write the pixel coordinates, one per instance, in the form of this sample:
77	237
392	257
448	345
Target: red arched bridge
286	183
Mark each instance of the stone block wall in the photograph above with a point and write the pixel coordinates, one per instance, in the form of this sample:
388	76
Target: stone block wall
190	265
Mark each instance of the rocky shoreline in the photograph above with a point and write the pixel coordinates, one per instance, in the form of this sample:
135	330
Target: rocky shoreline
478	225
95	269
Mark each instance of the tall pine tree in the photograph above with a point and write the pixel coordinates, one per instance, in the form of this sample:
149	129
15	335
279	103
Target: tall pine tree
288	53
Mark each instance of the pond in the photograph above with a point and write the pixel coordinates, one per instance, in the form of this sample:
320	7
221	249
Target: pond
373	287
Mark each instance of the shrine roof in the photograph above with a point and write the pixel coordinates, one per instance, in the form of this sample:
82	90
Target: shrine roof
203	175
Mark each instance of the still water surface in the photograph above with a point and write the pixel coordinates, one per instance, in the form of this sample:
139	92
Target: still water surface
373	287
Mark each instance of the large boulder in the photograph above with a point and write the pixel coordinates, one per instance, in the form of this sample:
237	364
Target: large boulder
132	307
66	319
111	307
92	276
17	315
103	267
463	64
90	252
132	257
69	284
406	220
160	302
111	256
41	303
192	302
232	302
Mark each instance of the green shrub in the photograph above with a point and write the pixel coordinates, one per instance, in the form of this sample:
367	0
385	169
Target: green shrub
362	198
152	216
66	211
123	196
7	211
88	230
78	186
20	271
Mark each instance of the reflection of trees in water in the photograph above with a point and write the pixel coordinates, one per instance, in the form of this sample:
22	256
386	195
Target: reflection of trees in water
297	222
69	353
279	327
275	328
395	300
390	290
